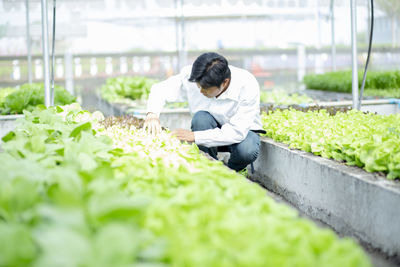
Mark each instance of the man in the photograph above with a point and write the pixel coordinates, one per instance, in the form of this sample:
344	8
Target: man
225	101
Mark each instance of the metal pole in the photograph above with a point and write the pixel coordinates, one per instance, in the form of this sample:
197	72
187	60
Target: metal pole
180	34
353	8
333	35
183	38
45	45
53	59
28	42
318	61
177	34
369	19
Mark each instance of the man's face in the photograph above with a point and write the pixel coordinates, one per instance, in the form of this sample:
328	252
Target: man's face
210	92
213	91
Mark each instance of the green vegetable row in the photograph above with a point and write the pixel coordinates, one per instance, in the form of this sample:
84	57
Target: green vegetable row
28	96
76	193
385	83
365	140
120	88
123	89
283	98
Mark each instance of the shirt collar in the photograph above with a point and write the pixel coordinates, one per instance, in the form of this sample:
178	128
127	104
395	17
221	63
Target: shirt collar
233	90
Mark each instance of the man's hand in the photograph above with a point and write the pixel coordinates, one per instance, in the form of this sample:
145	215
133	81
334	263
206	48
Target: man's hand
183	135
152	123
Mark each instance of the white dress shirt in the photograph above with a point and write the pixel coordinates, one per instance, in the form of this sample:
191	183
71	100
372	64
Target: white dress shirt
237	109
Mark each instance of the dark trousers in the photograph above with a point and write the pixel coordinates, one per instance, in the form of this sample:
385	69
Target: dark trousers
242	154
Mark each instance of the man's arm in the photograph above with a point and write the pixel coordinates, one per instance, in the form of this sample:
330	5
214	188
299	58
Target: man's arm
235	131
168	90
230	133
183	135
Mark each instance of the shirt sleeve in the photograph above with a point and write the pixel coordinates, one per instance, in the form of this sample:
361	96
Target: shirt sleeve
236	130
169	90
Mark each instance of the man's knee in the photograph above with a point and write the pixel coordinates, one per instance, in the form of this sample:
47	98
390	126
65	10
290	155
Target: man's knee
247	151
247	155
203	120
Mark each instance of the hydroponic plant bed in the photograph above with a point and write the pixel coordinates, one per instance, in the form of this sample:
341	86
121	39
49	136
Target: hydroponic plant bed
171	118
377	84
28	96
128	95
366	140
271	171
281	97
76	193
349	199
13	100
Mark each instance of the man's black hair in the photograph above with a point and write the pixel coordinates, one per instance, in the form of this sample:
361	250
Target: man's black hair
210	69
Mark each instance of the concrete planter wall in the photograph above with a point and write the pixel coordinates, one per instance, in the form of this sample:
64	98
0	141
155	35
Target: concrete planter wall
7	124
352	201
379	106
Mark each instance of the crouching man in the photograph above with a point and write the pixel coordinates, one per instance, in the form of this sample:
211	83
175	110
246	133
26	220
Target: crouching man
225	103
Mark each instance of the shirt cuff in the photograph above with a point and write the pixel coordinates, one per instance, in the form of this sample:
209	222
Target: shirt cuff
200	138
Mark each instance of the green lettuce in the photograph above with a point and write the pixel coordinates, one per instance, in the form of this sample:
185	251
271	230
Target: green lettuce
366	140
74	193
